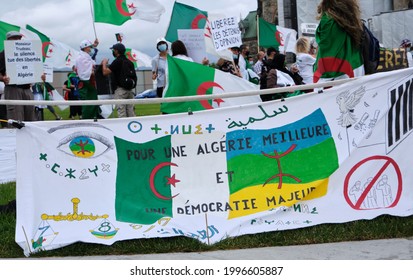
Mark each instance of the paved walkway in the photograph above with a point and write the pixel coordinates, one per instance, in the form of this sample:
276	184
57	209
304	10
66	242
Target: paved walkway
387	249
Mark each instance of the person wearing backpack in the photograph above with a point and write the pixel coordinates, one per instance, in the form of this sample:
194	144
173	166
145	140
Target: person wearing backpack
124	79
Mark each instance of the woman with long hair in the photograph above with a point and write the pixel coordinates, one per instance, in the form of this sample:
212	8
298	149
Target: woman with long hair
339	36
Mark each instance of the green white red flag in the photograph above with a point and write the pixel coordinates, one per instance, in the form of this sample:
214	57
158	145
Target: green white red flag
117	12
54	52
281	38
138	58
185	78
336	58
185	17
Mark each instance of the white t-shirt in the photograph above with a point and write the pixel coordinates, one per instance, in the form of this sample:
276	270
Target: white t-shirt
84	66
184	57
305	63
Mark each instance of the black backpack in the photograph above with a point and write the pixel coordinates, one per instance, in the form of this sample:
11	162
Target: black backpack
128	78
370	49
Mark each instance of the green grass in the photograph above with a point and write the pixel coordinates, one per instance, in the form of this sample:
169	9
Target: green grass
140	110
382	227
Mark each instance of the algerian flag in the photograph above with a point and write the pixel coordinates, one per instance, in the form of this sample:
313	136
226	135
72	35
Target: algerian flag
118	12
185	78
6	27
185	17
336	56
54	52
153	182
138	58
281	38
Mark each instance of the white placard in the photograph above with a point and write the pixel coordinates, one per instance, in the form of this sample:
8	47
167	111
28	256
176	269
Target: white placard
48	71
225	33
23	61
194	42
308	29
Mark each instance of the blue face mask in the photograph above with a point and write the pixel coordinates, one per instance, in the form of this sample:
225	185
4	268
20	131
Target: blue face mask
162	47
234	56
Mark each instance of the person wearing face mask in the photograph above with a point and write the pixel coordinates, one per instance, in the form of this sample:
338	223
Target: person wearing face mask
85	69
243	61
159	65
229	66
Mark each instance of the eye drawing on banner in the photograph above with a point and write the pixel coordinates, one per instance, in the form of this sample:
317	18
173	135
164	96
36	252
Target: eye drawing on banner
80	143
382	189
89	144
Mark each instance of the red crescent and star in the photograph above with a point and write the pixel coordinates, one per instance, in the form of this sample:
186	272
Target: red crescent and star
197	19
202	89
169	181
44	46
122	11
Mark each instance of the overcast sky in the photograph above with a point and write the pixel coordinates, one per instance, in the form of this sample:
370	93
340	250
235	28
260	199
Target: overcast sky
70	21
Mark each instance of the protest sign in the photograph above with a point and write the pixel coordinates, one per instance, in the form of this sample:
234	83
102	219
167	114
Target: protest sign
194	42
225	33
23	61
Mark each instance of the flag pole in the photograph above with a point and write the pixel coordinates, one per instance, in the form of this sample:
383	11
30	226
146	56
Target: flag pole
258	33
93	19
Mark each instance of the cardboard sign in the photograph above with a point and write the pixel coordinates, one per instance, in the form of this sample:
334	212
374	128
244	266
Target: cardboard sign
225	33
194	42
23	61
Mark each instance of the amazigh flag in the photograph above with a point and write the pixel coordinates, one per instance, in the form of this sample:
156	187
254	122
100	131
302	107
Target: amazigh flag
336	56
185	78
138	58
185	17
272	171
117	12
281	38
6	27
54	52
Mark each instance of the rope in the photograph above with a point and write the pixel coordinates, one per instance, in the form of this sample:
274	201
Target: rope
176	99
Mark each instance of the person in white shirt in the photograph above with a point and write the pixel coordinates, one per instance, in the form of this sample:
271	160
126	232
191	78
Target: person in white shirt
304	60
258	65
85	69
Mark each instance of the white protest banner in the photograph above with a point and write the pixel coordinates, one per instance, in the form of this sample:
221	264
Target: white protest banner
332	157
23	61
225	33
194	42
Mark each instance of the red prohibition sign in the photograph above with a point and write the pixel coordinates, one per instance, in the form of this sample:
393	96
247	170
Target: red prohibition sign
387	163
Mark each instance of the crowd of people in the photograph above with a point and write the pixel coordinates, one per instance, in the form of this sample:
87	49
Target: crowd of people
334	53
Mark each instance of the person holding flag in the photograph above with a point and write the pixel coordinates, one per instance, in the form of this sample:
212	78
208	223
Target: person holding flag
339	36
159	66
85	68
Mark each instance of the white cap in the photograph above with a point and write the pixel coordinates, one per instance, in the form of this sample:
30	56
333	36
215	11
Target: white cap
160	40
85	44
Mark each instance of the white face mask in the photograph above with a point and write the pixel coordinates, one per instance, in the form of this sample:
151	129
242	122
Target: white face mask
162	47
